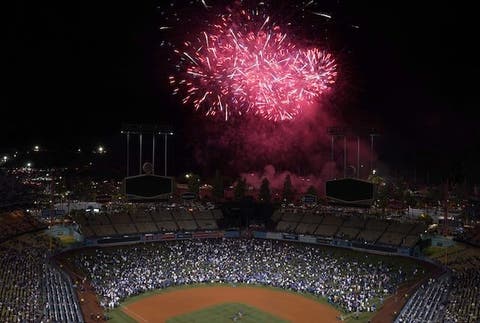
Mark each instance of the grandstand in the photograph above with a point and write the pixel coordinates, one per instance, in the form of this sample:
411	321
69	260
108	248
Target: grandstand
147	220
16	223
348	225
32	289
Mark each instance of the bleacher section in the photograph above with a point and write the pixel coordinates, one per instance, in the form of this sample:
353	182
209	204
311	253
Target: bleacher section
285	226
147	220
427	304
348	226
347	233
167	226
102	230
187	225
306	228
326	230
207	224
391	238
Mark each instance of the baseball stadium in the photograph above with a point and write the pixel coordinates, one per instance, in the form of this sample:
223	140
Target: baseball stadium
203	161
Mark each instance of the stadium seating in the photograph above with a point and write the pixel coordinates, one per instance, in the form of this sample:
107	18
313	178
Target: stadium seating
32	289
332	220
217	214
326	230
187	225
306	228
292	216
16	223
348	225
182	214
102	230
61	303
162	215
347	233
204	215
369	236
207	224
147	227
143	219
284	226
376	225
410	241
402	228
426	305
312	218
167	226
391	238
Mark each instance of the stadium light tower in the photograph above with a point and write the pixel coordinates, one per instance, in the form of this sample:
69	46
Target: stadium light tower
344	132
154	131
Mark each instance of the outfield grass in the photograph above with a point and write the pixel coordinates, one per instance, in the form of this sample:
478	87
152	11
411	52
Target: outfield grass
227	313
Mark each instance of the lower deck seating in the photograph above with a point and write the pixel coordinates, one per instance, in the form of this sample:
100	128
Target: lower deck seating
189	225
326	230
284	226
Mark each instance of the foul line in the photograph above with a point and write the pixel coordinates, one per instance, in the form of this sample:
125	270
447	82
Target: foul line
138	316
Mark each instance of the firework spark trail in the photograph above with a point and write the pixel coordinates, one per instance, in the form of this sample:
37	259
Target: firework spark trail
246	64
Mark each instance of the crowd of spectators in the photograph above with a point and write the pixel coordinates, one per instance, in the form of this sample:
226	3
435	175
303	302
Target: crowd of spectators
427	303
464	299
353	282
451	298
32	289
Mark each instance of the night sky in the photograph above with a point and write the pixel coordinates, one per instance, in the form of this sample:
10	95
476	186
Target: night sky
77	70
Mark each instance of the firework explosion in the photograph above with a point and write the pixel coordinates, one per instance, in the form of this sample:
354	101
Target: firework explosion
245	64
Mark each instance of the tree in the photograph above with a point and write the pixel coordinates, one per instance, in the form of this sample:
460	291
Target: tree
218	187
240	189
265	195
312	191
288	190
193	183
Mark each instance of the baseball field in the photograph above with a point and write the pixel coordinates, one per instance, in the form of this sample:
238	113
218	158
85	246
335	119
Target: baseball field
227	303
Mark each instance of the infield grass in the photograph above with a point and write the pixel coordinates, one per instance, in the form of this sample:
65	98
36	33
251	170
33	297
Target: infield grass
228	312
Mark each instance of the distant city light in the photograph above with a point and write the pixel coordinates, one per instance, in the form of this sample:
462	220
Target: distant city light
29	164
36	148
5	158
374	171
101	150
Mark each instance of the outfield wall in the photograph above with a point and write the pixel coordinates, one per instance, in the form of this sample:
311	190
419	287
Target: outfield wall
154	237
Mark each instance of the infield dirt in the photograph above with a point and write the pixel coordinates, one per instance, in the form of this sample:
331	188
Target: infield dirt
289	306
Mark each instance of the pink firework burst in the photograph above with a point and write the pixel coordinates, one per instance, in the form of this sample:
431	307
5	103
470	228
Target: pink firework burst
247	65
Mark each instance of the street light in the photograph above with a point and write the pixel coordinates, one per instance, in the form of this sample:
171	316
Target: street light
36	148
101	150
29	164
